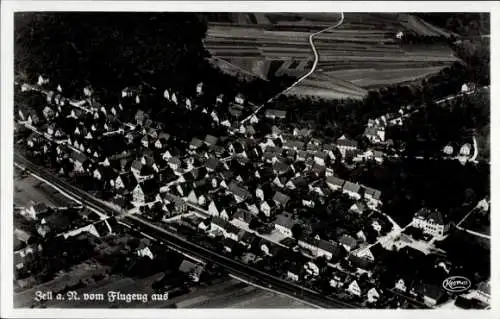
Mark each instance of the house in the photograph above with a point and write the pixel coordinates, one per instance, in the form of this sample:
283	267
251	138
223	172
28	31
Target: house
196	198
344	145
227	229
214	209
211	140
34	210
311	268
281	199
354	289
352	189
321	158
195	143
466	88
275	114
302	133
372	295
239	99
334	183
43	80
199	88
266	207
295	272
213	164
372	195
319	247
284	223
448	150
362	258
145	192
78	158
193	270
240	193
348	242
430	222
400	285
297	182
327	249
143	250
174	163
375	134
465	149
243	216
293	144
358	207
125	181
337	280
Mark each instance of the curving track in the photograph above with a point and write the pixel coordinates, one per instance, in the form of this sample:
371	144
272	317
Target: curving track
305	76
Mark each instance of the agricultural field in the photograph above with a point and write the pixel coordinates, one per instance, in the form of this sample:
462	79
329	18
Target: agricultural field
361	54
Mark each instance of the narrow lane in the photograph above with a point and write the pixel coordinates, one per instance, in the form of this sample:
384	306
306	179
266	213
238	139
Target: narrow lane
305	76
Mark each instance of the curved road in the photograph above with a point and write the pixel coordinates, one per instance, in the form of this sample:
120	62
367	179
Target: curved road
305	76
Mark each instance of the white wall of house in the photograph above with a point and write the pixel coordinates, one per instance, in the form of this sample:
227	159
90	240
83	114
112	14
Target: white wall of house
284	230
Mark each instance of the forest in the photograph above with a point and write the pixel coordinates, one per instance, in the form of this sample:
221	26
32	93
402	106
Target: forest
113	50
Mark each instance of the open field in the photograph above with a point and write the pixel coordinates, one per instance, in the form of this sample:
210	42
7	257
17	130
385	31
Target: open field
478	221
363	50
28	188
234	294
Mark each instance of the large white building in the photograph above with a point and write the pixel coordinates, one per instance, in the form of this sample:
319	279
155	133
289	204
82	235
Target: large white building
430	222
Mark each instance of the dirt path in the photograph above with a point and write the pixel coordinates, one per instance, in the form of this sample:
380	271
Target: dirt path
305	76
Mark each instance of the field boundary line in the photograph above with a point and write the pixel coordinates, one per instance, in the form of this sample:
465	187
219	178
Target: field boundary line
305	76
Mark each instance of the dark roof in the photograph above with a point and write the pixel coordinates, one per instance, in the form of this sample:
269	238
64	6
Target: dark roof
211	140
244	215
285	220
294	144
348	186
347	142
196	142
360	262
281	167
335	181
78	156
281	198
333	248
299	181
347	240
213	163
239	190
150	186
375	193
166	175
230	228
275	113
129	180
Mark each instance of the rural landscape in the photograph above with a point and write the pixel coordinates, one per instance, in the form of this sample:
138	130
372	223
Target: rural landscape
365	51
252	160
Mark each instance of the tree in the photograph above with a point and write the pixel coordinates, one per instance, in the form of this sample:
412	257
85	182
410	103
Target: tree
254	224
297	231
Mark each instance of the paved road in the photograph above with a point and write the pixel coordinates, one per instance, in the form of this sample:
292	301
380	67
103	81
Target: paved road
305	76
171	239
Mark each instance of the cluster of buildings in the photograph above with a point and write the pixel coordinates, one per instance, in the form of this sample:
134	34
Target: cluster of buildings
233	179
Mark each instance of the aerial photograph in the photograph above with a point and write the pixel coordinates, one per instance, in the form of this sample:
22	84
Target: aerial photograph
251	160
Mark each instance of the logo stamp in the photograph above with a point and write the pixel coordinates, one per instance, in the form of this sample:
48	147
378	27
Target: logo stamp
456	284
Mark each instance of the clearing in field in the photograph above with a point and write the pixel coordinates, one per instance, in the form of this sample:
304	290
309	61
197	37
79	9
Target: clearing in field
362	53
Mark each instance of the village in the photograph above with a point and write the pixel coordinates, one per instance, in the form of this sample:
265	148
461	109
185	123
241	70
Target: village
258	191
